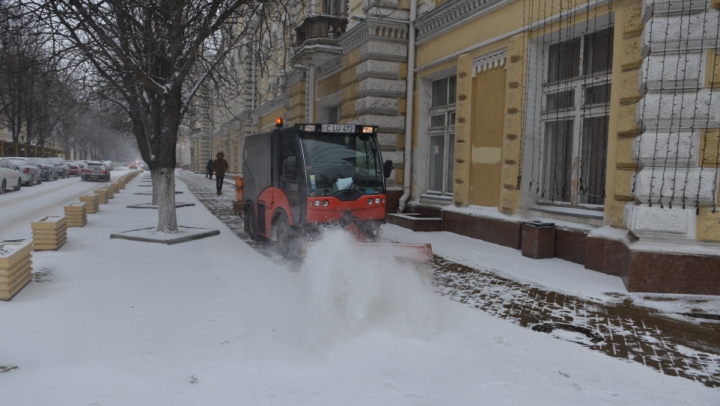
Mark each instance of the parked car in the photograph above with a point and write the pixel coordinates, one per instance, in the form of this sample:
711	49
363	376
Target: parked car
75	167
132	166
29	170
9	176
95	171
48	169
108	164
62	168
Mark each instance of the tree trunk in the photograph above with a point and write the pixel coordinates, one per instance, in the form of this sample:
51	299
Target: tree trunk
155	179
167	217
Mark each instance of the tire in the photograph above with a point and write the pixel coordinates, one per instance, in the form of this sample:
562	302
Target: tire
2	187
56	177
19	185
250	223
40	181
32	181
285	239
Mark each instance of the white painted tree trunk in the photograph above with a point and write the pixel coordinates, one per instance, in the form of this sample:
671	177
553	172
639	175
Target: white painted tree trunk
165	190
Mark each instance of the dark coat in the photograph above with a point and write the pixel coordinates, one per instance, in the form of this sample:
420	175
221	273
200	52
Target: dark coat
209	166
220	166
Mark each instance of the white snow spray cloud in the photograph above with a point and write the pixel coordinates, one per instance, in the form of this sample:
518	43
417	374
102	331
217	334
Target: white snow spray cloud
355	289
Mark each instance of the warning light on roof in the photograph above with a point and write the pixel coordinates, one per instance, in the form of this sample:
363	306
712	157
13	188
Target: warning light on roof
279	122
367	130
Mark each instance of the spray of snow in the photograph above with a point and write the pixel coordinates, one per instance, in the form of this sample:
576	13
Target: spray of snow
352	291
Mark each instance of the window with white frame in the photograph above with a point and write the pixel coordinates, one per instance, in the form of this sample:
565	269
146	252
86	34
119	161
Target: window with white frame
441	135
576	107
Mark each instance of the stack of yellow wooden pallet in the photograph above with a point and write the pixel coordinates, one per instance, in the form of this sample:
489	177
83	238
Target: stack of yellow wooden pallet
111	194
15	267
92	203
116	187
49	233
76	215
102	194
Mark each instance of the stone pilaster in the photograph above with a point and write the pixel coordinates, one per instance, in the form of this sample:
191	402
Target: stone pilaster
678	106
373	80
463	136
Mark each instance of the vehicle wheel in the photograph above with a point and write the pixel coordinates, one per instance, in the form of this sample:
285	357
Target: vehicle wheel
285	238
2	187
19	185
56	177
250	223
40	181
32	180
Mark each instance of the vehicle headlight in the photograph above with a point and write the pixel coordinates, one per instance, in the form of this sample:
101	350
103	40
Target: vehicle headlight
317	203
377	200
370	200
326	203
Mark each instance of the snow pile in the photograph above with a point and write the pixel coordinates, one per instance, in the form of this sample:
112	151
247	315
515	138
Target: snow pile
352	291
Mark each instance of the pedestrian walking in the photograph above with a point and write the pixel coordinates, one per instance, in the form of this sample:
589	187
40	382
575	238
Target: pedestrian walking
209	168
220	166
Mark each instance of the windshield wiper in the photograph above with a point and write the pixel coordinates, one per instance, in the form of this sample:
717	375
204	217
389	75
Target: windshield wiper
357	175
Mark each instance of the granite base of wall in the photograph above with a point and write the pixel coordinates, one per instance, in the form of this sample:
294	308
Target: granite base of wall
393	200
640	271
505	233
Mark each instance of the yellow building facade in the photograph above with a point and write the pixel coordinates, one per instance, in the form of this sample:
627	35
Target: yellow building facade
598	119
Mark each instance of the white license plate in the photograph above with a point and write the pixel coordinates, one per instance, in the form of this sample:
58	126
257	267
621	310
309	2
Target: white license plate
338	128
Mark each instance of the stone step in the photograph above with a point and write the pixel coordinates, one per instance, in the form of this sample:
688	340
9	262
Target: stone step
415	221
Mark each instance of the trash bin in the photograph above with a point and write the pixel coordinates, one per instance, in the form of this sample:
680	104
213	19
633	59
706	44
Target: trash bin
538	239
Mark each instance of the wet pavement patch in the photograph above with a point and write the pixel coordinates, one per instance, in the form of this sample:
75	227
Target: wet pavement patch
593	336
702	316
4	368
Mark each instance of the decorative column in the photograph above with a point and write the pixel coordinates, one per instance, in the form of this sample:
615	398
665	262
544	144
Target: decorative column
374	81
674	182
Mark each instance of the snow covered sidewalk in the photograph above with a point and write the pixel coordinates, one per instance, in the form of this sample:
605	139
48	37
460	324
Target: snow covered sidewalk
214	322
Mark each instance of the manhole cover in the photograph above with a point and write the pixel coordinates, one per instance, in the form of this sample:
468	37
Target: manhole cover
577	334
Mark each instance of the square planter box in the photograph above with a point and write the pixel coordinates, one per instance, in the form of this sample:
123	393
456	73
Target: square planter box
15	267
76	214
116	187
49	233
92	203
102	195
538	240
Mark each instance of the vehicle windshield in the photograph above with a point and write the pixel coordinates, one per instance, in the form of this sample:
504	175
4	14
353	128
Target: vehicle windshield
337	162
17	161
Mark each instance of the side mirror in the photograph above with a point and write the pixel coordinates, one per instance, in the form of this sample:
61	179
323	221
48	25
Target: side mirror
289	169
387	168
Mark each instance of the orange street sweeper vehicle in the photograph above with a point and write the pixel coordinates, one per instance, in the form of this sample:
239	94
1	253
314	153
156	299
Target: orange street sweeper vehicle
298	181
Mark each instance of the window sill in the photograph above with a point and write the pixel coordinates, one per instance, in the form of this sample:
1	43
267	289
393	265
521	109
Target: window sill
437	198
570	211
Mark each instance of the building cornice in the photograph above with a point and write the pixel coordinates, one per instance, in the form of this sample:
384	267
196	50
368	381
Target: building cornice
328	68
452	14
297	74
270	106
373	27
490	61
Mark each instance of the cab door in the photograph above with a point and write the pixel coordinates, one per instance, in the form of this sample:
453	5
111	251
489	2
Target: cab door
288	176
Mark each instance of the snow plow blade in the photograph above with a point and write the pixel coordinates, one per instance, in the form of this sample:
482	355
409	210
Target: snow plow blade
403	252
421	253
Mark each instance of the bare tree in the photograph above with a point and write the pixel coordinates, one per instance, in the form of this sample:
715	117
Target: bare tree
150	58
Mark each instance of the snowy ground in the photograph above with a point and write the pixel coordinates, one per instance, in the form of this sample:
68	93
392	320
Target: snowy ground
213	322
